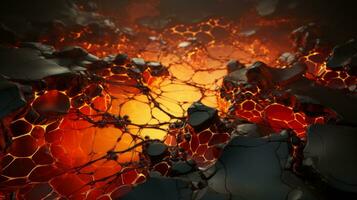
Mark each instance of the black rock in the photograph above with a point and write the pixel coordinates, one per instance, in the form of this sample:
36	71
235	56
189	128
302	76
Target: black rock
121	59
139	63
343	55
157	69
264	76
253	168
161	188
44	49
201	117
310	106
289	74
156	149
305	38
340	102
28	64
11	98
333	152
72	52
267	7
234	65
259	74
249	130
99	64
181	167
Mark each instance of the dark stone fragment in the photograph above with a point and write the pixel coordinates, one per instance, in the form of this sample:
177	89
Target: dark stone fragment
121	59
156	150
342	55
333	152
27	64
181	167
310	106
209	194
99	64
253	168
289	74
111	155
264	76
305	38
249	130
201	117
45	49
11	97
340	102
73	52
157	69
259	74
139	63
161	188
234	65
267	7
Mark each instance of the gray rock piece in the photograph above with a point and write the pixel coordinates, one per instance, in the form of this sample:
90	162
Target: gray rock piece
11	98
252	168
44	49
27	64
139	64
265	76
181	167
161	188
120	59
234	65
201	116
209	194
333	151
155	149
267	7
342	55
249	130
345	105
72	52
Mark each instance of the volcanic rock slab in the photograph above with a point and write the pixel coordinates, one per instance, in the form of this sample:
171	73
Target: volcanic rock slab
10	97
27	64
342	103
333	151
161	188
344	55
253	168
